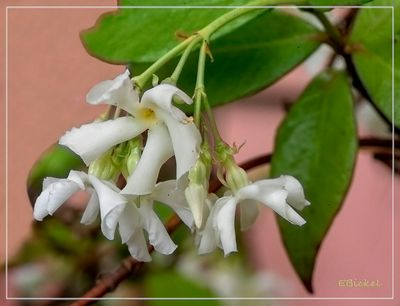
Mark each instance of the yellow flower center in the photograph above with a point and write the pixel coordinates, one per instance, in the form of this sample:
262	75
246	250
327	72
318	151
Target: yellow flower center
146	114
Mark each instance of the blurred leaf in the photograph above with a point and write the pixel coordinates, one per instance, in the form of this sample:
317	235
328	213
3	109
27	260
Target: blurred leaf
337	2
173	284
57	161
145	34
317	144
249	58
371	39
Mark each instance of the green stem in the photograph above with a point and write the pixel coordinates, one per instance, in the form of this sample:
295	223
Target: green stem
199	89
178	69
213	123
331	30
205	34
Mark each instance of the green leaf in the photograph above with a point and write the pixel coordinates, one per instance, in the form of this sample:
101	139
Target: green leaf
317	144
371	41
337	2
145	34
170	284
57	161
249	59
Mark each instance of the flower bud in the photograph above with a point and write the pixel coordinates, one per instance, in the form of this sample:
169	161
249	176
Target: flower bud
104	168
132	156
235	176
196	196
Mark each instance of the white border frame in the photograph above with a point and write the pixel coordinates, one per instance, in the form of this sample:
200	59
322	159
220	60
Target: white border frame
188	298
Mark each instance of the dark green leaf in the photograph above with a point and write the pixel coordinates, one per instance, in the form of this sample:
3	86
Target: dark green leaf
371	41
145	34
317	144
57	161
251	57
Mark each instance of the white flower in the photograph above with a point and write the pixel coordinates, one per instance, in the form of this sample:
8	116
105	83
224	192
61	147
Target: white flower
138	218
279	194
104	199
170	132
132	219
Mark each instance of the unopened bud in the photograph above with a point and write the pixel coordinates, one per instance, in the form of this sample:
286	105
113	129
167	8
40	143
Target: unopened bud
235	177
196	196
104	168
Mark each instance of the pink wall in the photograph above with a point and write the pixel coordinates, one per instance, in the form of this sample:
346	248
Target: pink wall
49	75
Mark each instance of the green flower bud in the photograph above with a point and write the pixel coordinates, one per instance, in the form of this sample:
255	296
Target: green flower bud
235	176
104	167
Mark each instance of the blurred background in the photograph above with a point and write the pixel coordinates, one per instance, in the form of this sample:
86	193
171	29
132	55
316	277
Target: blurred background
49	73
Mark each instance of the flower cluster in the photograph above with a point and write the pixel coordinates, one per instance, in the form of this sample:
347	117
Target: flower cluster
148	131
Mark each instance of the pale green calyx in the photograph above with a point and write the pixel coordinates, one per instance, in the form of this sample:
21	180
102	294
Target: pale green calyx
104	167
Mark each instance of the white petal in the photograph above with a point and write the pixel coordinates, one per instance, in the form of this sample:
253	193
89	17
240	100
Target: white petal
208	236
158	235
40	207
274	197
161	96
196	196
93	139
79	177
248	213
186	141
92	209
138	247
296	196
118	92
128	221
112	205
59	192
168	193
156	152
225	223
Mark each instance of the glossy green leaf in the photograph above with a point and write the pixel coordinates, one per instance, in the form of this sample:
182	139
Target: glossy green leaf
57	161
170	284
371	41
145	34
317	144
250	58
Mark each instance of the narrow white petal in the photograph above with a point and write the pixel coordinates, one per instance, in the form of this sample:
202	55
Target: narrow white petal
248	213
112	205
273	197
138	247
186	141
196	196
156	152
59	192
161	96
79	177
158	235
296	196
168	193
40	207
92	209
128	221
118	92
208	236
93	139
225	222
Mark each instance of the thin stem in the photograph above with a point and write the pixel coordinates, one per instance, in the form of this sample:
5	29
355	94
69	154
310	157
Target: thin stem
205	34
141	80
213	123
178	69
331	30
199	89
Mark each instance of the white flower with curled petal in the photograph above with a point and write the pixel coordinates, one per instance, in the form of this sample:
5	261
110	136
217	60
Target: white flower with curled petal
139	216
280	194
104	199
170	131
